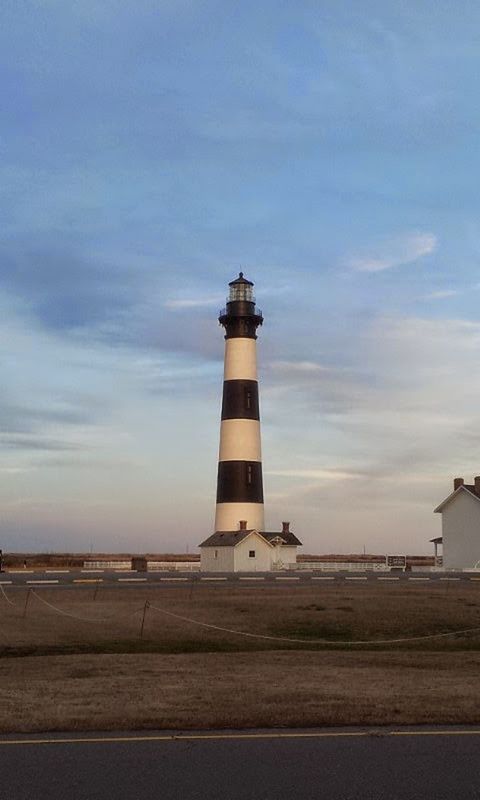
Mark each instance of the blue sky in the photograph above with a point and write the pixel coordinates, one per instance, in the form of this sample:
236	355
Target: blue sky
150	150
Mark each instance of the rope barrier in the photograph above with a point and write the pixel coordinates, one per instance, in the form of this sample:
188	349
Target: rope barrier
85	619
246	634
4	594
312	641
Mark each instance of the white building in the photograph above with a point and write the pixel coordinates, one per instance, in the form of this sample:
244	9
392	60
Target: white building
248	550
461	525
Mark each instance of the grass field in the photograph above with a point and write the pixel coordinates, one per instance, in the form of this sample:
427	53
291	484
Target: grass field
80	663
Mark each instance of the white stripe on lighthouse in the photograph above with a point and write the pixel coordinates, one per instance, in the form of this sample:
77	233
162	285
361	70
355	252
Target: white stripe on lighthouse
240	359
240	440
228	516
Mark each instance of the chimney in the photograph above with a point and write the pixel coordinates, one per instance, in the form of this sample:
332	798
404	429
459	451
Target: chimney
457	482
243	524
285	527
477	485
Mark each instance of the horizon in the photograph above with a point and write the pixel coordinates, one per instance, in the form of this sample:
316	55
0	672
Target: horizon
149	155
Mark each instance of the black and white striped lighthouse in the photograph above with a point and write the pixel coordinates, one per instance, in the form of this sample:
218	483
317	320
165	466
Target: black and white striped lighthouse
239	482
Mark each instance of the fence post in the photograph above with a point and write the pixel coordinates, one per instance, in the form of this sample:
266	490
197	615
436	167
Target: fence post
26	603
143	618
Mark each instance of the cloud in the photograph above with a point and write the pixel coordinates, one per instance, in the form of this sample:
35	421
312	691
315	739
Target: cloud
39	442
332	474
394	252
400	425
297	366
442	293
199	302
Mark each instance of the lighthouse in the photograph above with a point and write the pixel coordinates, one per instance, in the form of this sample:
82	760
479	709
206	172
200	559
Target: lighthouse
240	542
239	478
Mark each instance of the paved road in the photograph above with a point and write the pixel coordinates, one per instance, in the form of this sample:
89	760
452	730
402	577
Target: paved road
347	765
124	578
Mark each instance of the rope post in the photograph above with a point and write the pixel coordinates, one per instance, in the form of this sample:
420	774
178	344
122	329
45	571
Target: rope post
147	604
95	591
192	586
26	603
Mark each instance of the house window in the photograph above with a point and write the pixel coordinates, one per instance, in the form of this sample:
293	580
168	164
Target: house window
251	553
249	473
215	555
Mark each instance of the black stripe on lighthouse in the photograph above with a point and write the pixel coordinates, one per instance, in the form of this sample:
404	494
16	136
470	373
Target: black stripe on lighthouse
240	400
240	482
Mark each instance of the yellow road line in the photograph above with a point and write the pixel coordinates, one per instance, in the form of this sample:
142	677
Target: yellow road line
88	580
374	732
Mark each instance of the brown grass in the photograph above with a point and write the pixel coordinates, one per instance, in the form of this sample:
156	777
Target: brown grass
237	690
103	676
334	613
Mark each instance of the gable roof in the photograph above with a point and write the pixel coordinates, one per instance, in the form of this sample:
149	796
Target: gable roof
287	537
465	487
232	538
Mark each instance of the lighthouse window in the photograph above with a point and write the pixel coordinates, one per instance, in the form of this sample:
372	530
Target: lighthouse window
248	399
249	473
251	553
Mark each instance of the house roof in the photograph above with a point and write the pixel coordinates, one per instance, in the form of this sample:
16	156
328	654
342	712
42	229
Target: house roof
465	487
228	538
232	538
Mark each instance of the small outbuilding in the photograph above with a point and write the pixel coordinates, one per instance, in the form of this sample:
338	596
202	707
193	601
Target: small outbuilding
461	525
249	550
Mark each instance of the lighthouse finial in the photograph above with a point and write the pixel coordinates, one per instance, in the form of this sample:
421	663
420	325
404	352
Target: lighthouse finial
240	275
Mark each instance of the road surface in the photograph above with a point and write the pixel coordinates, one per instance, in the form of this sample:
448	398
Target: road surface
262	765
160	578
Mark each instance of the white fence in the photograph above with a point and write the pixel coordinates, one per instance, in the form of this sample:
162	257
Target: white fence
184	566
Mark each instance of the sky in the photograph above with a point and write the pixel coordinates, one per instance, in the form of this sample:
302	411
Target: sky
149	150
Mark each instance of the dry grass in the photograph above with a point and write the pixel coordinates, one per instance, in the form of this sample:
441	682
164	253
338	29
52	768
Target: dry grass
335	613
237	690
88	675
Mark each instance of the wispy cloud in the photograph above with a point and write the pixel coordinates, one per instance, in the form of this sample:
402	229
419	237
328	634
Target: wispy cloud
316	474
297	366
194	302
394	252
442	293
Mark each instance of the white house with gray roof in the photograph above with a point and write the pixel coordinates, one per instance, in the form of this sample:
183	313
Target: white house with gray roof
249	550
461	525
